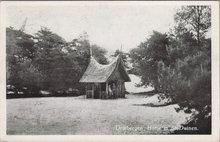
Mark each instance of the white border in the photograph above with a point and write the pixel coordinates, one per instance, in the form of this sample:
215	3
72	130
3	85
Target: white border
192	138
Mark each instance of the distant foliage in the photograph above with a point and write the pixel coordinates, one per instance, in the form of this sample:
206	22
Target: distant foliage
99	54
124	57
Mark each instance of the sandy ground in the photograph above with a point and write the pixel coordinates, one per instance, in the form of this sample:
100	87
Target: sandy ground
77	115
131	86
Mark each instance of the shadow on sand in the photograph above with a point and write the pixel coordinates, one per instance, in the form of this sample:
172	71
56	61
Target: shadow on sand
154	105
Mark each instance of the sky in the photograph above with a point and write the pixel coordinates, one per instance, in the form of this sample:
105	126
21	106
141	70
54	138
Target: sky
107	26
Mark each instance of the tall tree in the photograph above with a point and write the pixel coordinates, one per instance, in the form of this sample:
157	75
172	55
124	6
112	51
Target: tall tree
48	55
196	19
147	55
19	48
187	79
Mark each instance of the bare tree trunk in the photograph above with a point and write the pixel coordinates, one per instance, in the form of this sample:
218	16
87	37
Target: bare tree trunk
198	25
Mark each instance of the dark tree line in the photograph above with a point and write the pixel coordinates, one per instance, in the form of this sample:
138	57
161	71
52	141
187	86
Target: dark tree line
178	64
45	61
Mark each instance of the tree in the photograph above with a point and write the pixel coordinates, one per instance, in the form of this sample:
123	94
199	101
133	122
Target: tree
82	46
63	63
30	76
20	45
196	19
123	55
187	79
19	49
99	54
147	56
179	65
46	61
48	52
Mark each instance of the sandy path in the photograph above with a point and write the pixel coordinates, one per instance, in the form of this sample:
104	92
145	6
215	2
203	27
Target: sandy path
77	115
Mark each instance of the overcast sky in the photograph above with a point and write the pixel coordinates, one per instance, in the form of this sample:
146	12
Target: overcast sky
107	26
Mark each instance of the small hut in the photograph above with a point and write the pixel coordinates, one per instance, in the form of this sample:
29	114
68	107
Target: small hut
105	81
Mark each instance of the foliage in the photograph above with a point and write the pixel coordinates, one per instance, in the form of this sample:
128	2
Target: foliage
188	82
46	61
99	54
188	77
147	55
179	65
19	48
124	56
30	76
196	19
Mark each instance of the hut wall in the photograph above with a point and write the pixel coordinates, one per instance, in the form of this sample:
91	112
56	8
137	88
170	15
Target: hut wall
117	78
100	90
96	90
89	90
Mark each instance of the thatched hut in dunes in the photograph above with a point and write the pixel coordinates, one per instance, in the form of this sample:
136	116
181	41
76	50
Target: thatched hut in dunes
105	81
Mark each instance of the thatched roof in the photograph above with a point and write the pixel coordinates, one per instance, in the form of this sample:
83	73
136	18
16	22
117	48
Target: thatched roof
96	72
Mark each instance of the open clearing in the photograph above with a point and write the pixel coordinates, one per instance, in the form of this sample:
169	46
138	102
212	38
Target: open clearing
77	115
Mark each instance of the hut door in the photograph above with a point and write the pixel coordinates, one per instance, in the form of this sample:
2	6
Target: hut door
96	91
